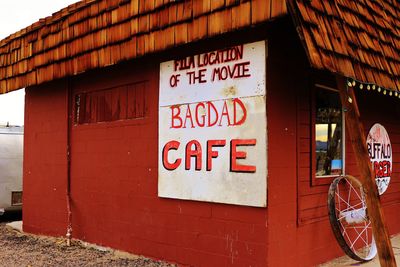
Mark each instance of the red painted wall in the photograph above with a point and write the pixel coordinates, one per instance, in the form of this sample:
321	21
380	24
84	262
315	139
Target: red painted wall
311	205
114	171
45	160
114	191
378	108
316	243
285	66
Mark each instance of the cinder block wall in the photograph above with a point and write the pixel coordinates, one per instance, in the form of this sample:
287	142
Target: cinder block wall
45	159
114	183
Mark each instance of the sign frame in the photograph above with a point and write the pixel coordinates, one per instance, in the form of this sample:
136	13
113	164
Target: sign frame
209	147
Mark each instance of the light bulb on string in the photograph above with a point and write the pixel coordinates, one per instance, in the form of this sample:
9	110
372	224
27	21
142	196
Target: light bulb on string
349	84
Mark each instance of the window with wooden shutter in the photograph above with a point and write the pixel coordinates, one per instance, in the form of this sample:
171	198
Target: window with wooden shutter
118	103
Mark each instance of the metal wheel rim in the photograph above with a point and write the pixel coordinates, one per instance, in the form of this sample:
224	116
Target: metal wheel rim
349	219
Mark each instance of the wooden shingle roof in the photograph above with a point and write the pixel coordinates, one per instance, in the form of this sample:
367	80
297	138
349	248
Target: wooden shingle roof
97	33
358	39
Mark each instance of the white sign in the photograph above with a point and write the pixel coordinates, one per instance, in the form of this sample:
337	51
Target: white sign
380	153
212	126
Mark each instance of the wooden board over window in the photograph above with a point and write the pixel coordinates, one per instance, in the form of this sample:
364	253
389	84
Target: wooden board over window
118	103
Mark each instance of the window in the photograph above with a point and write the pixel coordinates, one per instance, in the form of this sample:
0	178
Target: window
328	132
117	103
321	153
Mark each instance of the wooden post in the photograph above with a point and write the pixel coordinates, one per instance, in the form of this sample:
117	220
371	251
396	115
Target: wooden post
357	138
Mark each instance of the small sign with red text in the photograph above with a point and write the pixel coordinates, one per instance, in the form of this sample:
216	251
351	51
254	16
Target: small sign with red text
212	126
380	153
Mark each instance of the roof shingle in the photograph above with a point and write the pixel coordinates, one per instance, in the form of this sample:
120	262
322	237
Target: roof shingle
358	39
98	33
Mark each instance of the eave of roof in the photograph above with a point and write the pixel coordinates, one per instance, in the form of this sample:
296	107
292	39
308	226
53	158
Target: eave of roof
356	39
360	40
97	33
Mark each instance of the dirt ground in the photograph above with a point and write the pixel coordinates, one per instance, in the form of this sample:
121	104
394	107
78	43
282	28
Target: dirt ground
18	249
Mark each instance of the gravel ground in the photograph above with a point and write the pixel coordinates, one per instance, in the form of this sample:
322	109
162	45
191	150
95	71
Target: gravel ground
18	249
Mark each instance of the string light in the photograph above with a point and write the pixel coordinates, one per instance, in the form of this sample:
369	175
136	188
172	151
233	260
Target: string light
369	86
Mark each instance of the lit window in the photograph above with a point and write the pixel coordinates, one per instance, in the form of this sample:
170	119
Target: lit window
328	133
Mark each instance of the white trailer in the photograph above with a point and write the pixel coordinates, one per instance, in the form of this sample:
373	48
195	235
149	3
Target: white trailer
11	154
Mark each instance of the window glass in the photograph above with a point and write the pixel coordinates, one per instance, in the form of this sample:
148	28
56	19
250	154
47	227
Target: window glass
328	133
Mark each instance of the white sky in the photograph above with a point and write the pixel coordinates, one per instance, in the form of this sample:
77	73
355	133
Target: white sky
14	16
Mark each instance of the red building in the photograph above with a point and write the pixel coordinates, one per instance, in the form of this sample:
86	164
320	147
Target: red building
193	131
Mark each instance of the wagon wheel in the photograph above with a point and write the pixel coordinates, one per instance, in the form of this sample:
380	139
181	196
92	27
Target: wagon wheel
349	219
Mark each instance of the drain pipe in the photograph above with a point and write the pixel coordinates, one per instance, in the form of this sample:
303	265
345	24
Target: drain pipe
69	211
